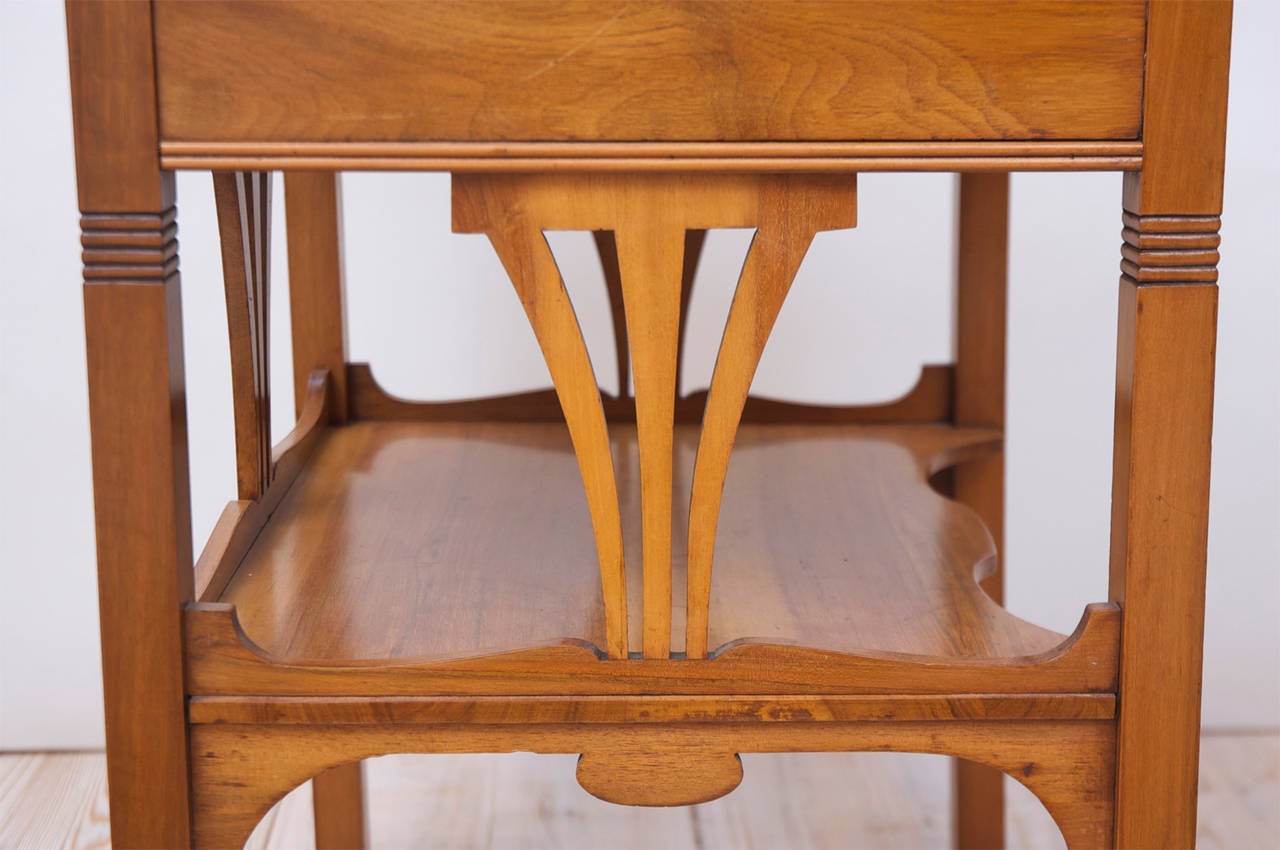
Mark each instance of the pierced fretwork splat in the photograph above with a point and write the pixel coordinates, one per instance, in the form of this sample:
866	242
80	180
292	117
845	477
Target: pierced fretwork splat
244	227
654	222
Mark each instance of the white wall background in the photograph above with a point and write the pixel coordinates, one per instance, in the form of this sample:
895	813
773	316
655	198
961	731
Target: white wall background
435	315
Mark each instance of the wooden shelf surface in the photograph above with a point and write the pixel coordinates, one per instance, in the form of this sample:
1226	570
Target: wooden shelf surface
420	540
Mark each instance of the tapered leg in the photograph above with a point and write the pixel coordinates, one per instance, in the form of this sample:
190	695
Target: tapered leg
338	798
981	287
137	412
138	427
1164	414
1164	418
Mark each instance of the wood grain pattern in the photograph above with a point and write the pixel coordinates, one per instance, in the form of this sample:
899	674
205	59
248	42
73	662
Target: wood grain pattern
649	217
244	223
1067	764
659	775
489	155
111	53
981	330
651	262
607	249
241	521
496	210
790	214
133	319
133	328
224	661
524	478
317	299
1184	109
850	800
736	157
338	795
928	402
518	711
1160	496
53	800
658	71
1164	415
435	583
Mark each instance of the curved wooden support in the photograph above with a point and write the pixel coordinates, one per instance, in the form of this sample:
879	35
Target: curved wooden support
650	218
607	250
651	257
244	228
221	659
497	209
240	770
791	213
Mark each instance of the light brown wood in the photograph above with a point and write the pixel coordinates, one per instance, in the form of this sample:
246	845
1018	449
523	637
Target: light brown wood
53	800
488	155
607	248
1165	249
244	223
571	71
518	711
339	808
1065	763
651	262
981	319
110	46
649	217
1164	417
492	209
143	524
437	581
852	800
522	477
534	802
791	213
223	660
659	775
317	299
1184	109
243	520
736	158
133	325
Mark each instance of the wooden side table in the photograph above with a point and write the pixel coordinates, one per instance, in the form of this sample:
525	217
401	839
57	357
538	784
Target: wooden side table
536	571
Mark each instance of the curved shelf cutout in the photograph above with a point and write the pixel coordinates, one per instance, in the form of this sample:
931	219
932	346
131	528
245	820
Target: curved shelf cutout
239	772
461	557
223	660
929	401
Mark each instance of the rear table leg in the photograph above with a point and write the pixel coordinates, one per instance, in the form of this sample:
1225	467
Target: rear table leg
981	287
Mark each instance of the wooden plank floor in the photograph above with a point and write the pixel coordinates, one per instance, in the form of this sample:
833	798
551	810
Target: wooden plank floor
526	802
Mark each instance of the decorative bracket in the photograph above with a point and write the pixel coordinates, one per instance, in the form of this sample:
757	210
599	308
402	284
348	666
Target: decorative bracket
650	216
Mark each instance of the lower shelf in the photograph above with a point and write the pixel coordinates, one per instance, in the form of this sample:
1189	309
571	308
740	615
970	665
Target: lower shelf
419	540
